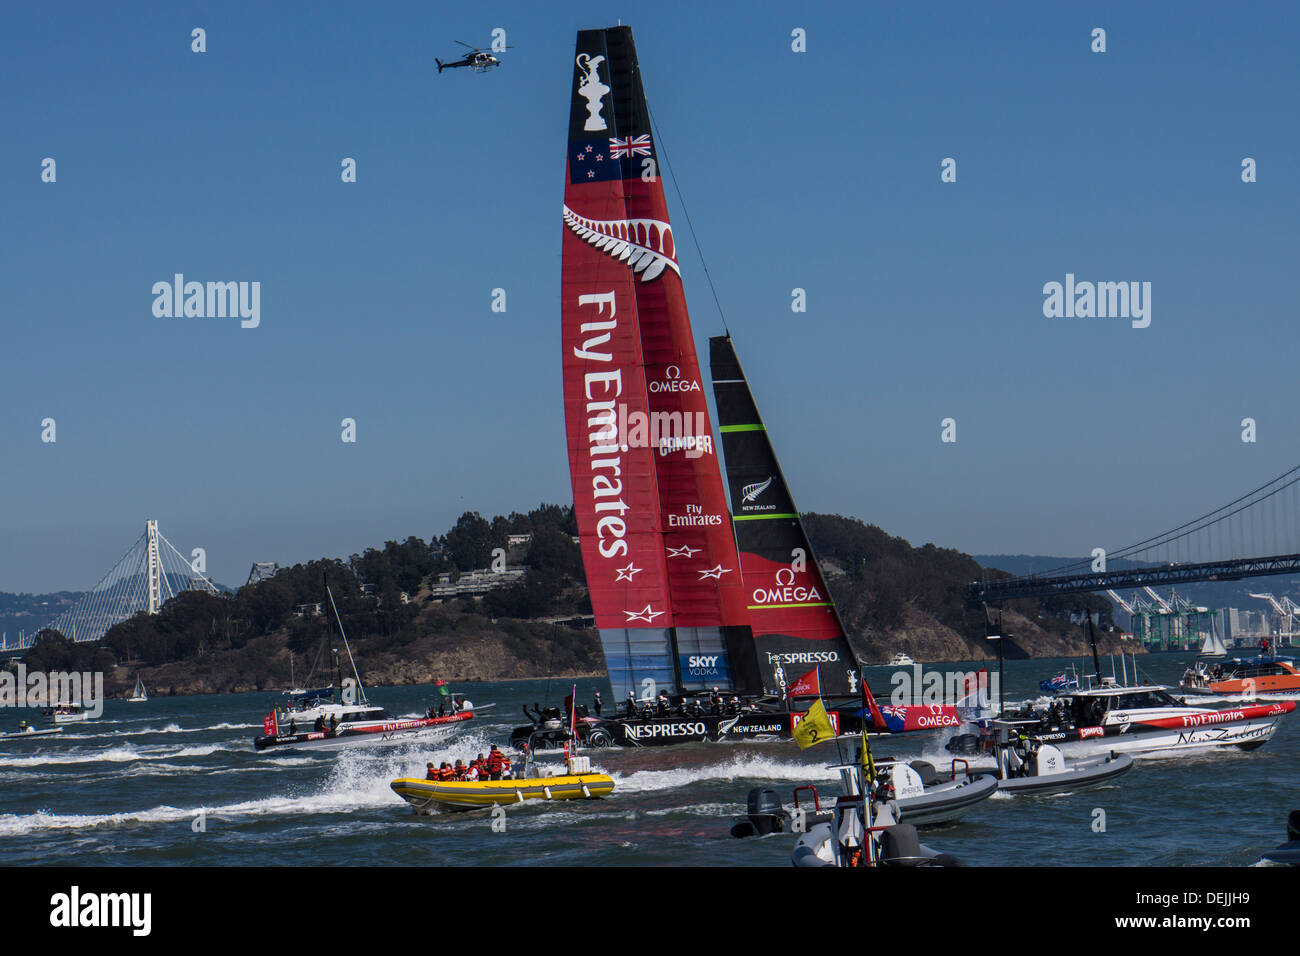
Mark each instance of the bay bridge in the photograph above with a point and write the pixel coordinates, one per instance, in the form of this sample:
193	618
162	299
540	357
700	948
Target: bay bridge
151	573
1255	535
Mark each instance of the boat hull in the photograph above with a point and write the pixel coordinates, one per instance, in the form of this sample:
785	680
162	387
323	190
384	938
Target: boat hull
428	795
1081	775
26	734
1245	727
1250	686
946	802
386	734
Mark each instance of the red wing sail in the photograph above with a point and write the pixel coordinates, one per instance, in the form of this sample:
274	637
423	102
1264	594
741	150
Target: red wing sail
660	558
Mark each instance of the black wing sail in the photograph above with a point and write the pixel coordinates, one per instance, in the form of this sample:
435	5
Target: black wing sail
796	626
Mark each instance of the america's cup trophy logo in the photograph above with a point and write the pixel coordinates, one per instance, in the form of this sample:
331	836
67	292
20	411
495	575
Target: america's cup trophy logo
593	90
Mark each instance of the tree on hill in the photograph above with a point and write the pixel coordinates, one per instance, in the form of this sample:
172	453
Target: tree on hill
468	545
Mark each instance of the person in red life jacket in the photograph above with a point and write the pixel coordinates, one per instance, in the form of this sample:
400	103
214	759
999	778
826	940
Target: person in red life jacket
445	772
471	772
505	767
494	762
431	771
461	770
1263	647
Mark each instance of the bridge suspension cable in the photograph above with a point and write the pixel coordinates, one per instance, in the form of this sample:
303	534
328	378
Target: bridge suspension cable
149	574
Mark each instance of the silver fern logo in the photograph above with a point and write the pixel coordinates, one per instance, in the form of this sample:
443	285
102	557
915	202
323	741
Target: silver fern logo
646	245
751	492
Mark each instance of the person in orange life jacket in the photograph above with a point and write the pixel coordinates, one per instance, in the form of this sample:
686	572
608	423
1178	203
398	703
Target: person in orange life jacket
445	772
494	762
505	767
471	772
431	771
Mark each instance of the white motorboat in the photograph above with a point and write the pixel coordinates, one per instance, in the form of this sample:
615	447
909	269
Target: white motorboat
66	713
901	660
1145	719
312	719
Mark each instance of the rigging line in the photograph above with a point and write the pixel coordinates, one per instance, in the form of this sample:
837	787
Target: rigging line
677	188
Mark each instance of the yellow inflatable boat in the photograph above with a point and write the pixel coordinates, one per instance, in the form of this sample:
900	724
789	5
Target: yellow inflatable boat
578	784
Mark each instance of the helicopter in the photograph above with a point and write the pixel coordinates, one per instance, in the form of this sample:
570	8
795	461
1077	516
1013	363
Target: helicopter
478	60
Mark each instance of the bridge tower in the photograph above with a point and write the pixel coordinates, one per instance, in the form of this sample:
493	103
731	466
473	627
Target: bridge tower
154	566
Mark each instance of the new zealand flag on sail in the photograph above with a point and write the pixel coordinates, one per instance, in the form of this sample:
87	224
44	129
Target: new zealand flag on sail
609	132
618	158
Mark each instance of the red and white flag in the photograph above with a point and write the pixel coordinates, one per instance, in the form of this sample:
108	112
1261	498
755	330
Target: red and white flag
809	685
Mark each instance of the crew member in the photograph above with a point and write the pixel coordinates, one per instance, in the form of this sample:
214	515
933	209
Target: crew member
598	703
495	762
334	722
631	704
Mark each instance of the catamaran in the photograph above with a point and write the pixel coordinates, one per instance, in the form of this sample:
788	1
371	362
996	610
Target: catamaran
715	624
665	580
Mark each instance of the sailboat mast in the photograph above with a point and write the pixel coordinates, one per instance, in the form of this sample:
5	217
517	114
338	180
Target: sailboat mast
346	646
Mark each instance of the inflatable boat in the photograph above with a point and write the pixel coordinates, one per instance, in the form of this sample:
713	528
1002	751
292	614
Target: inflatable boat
1027	765
30	732
917	794
577	783
863	831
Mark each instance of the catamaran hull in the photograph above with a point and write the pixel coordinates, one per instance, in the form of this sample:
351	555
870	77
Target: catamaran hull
429	795
392	733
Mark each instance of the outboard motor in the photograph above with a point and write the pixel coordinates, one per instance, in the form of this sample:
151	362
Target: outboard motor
963	744
765	812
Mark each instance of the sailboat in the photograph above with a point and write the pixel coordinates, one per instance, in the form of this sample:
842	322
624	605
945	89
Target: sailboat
139	695
312	720
662	568
1212	647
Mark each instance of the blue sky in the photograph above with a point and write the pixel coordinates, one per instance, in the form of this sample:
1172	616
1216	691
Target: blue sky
817	170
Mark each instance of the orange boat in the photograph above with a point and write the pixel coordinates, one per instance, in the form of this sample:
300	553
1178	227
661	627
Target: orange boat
1248	676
